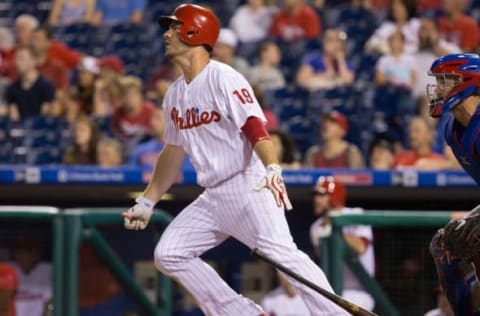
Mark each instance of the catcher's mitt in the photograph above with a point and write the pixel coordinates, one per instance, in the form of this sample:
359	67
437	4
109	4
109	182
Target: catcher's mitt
461	238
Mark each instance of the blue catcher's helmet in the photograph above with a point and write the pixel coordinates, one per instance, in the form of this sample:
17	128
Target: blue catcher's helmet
458	77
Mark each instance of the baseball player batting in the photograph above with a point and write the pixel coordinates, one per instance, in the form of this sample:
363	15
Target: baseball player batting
212	115
456	247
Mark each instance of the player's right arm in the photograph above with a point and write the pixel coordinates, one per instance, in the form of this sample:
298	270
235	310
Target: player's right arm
166	169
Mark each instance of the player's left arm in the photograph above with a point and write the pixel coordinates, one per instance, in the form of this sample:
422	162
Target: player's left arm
246	114
255	131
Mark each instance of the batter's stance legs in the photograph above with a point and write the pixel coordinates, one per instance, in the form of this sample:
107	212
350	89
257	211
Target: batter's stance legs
190	234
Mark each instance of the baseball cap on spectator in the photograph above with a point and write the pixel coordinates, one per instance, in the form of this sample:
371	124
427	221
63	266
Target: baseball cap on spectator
337	117
111	62
89	64
8	277
227	37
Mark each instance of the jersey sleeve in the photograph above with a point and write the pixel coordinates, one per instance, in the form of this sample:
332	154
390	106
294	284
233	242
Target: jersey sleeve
240	100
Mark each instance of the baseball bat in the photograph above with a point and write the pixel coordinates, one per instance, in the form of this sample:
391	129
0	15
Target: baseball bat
350	307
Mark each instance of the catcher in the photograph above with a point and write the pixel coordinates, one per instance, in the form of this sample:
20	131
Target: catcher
456	247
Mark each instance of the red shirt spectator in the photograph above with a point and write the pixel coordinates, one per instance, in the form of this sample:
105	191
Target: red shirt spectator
130	125
408	158
7	64
132	119
62	52
8	285
7	51
296	21
49	49
420	136
56	72
458	28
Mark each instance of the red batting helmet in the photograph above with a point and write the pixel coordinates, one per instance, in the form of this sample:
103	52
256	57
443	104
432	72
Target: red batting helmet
335	190
199	26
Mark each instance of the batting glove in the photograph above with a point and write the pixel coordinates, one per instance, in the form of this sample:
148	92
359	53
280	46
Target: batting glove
274	182
138	216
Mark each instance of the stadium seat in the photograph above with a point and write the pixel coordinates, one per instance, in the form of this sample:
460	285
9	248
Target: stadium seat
48	155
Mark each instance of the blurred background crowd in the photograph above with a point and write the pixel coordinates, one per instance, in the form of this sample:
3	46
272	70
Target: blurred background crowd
342	83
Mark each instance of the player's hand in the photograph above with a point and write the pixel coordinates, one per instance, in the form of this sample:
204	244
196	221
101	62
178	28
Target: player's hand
274	182
138	216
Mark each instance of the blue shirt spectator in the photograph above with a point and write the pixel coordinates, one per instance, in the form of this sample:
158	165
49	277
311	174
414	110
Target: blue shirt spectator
117	11
327	69
317	62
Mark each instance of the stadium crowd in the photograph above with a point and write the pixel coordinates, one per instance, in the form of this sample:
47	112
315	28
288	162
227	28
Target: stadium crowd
342	83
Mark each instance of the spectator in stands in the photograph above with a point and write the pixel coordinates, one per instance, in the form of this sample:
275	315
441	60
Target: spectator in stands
457	27
402	17
381	154
251	22
84	89
107	95
109	153
8	289
420	134
160	79
329	197
131	120
224	51
396	68
31	94
295	22
266	74
146	153
57	50
285	149
430	47
334	151
25	24
328	69
35	278
48	65
118	11
284	300
7	52
65	12
83	151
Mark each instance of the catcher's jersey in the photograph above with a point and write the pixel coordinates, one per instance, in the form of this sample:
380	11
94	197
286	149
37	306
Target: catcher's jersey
205	117
465	143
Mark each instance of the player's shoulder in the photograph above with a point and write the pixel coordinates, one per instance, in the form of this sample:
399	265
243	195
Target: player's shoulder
222	70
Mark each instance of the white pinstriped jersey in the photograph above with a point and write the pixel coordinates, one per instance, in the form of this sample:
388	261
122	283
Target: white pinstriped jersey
205	117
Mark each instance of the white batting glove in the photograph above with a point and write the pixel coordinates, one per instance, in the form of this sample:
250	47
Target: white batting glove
274	182
138	216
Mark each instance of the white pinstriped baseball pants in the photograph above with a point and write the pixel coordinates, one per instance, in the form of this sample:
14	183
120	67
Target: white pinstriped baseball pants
234	209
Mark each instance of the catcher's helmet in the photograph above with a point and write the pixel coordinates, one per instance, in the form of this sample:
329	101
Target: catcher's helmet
199	26
458	77
335	190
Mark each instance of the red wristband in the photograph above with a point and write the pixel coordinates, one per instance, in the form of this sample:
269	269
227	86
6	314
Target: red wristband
254	130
